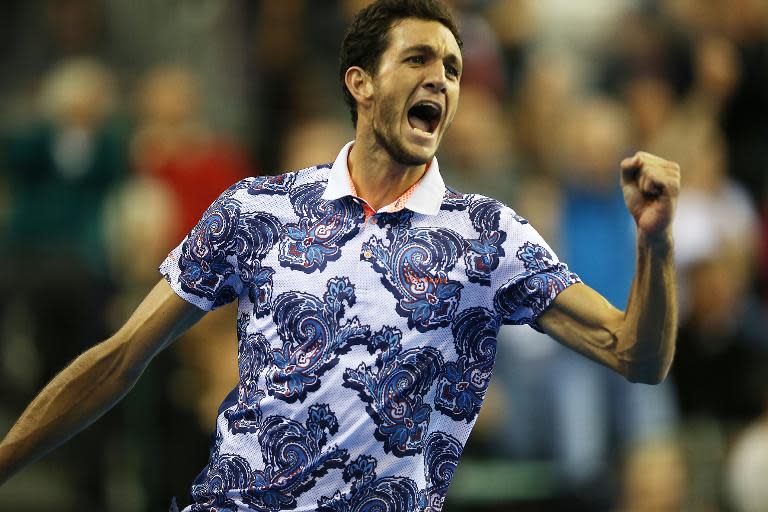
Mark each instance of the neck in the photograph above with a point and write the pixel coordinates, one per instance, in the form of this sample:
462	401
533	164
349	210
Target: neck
378	178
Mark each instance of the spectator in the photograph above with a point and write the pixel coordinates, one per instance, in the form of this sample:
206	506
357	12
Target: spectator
175	145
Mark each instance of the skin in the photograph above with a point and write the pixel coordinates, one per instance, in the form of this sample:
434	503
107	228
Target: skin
422	61
639	343
98	379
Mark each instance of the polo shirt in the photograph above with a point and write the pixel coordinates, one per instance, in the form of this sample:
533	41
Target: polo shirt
365	343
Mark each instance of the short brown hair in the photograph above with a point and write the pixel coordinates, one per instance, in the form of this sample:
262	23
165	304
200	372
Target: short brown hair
367	37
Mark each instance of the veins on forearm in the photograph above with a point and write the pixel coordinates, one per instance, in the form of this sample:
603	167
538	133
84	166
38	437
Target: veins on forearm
77	384
651	315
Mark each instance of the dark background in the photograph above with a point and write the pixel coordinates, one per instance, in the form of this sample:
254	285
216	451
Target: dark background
120	122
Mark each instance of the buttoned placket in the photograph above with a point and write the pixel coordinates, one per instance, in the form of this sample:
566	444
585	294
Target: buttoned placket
365	231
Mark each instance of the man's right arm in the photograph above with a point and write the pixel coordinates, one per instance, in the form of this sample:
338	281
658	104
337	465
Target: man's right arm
95	381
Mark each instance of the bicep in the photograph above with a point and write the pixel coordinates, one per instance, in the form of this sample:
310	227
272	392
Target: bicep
160	318
583	320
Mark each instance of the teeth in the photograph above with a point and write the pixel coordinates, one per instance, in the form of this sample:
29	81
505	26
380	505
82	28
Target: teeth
429	104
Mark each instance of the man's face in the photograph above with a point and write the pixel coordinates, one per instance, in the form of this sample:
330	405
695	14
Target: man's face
416	90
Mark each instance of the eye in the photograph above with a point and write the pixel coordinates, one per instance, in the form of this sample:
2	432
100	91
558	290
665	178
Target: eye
452	70
416	59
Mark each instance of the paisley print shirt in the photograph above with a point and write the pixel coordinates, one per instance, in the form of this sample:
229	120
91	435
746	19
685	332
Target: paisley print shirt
365	345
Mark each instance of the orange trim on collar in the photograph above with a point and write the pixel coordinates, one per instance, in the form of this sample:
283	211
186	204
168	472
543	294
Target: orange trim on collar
395	206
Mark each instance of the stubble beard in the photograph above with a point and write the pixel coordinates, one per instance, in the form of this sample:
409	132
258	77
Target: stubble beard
391	144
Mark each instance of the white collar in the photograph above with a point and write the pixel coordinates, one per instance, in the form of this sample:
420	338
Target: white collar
427	197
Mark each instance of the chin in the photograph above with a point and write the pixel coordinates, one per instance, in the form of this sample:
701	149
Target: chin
415	157
404	153
426	157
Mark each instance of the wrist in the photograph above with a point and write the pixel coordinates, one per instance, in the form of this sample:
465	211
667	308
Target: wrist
661	243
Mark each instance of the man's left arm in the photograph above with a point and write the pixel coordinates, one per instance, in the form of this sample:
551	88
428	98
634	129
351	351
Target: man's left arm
639	343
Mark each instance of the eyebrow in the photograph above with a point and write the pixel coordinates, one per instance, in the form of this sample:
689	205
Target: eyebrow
429	50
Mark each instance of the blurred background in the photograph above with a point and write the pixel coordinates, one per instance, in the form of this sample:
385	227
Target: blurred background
121	121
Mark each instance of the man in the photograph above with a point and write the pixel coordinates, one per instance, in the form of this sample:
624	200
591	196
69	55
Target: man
369	300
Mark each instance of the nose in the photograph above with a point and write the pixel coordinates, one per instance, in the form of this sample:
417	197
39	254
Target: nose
436	80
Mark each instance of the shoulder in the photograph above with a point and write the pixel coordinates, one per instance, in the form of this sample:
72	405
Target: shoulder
266	189
483	211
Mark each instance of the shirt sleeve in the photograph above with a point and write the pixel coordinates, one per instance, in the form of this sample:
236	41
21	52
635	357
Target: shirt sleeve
532	274
204	268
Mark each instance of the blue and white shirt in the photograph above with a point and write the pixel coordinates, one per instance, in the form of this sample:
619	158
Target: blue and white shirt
365	344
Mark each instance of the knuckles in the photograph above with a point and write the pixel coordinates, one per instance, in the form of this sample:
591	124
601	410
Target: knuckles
655	160
652	171
654	165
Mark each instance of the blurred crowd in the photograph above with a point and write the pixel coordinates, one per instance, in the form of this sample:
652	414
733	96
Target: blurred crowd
121	121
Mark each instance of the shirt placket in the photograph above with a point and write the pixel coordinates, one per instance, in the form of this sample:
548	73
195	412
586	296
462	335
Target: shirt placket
367	229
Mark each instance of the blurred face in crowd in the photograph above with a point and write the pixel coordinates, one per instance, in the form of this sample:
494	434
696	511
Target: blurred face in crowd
415	90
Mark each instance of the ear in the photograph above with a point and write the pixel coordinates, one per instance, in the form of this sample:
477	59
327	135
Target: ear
360	84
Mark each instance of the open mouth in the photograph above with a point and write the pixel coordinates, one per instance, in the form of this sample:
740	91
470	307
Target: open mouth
425	116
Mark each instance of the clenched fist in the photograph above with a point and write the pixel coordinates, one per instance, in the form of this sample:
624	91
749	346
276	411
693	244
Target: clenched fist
651	186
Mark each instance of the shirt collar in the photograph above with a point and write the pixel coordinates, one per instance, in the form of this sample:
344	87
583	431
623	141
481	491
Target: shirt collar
426	198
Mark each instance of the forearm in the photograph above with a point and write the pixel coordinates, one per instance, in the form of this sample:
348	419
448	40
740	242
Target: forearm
97	380
639	342
76	397
646	340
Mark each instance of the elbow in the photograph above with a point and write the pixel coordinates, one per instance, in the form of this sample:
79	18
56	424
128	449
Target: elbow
648	372
649	366
646	378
